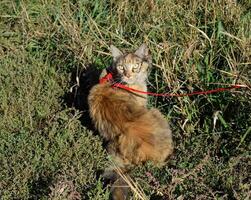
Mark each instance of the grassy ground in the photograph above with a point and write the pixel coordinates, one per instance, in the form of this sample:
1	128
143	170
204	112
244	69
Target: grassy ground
47	148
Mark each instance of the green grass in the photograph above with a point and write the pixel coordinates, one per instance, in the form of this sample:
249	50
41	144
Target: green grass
44	45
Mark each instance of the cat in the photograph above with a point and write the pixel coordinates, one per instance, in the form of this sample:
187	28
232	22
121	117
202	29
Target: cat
134	133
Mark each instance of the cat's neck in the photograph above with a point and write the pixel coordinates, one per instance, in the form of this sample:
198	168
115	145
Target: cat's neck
138	86
141	98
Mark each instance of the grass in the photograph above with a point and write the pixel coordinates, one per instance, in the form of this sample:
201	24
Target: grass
46	139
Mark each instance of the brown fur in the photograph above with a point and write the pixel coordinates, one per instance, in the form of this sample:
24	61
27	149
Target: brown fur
135	134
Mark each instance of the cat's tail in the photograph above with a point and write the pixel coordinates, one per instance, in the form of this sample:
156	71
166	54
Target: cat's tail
111	108
120	190
119	187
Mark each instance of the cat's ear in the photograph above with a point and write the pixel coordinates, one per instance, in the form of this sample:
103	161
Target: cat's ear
116	53
142	51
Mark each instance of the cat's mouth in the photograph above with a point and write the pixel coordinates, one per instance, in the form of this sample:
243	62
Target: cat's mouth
128	80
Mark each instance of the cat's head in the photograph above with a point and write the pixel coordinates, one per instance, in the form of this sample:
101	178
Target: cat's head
131	68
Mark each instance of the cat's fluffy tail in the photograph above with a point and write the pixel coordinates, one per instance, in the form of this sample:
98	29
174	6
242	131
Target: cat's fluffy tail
111	108
139	134
119	187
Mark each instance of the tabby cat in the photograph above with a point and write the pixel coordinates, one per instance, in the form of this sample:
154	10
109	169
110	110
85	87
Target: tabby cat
134	133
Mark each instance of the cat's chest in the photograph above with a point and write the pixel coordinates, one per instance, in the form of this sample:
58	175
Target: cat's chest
141	98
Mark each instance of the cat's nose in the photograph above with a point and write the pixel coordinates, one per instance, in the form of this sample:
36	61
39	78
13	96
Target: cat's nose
128	74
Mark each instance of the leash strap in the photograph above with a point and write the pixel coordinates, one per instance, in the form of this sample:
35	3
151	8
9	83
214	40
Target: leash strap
108	78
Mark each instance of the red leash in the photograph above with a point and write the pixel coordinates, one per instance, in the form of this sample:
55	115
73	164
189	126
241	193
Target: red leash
108	77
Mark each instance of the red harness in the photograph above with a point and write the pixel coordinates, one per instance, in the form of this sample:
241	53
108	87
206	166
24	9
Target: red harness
108	78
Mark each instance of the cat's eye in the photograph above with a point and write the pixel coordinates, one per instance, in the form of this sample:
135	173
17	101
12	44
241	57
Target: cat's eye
120	67
136	68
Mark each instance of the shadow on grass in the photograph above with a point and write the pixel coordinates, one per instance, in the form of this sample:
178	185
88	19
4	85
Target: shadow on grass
82	81
40	188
